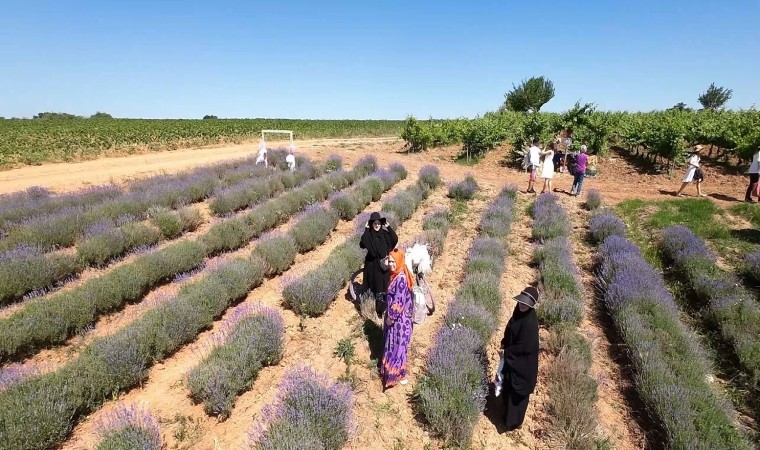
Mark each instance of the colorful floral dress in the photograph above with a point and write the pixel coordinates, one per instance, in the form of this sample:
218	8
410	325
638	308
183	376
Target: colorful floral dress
397	331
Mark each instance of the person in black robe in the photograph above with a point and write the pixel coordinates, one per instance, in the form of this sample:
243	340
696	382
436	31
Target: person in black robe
520	352
378	239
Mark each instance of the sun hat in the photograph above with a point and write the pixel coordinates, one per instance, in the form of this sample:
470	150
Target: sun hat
698	147
528	297
376	216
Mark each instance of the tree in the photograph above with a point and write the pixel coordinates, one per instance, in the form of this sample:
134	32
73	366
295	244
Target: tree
55	115
715	98
680	106
209	117
530	95
101	115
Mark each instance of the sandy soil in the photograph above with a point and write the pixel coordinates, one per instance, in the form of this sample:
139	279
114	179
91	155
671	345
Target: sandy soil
384	419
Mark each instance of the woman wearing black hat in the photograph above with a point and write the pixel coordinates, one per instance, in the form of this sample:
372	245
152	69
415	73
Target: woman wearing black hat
378	239
520	352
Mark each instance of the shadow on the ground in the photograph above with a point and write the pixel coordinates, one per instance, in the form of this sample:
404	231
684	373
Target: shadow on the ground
749	235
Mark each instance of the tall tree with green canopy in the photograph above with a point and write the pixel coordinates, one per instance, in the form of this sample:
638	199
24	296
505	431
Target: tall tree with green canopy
715	98
530	95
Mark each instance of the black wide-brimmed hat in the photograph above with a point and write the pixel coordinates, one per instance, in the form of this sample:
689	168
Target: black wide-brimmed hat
528	297
376	216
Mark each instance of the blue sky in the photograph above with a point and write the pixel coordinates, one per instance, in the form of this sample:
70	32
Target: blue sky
362	60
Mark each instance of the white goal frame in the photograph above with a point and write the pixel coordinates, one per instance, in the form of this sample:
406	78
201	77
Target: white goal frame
288	132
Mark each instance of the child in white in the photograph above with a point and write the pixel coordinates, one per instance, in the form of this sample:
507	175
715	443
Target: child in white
291	159
547	170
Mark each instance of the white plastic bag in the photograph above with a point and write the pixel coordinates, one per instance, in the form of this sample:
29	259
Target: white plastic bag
498	383
420	305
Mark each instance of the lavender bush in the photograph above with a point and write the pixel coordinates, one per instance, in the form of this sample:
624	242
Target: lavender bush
593	199
549	219
752	265
129	427
465	189
310	411
345	204
669	366
572	390
399	170
452	394
313	226
27	268
366	165
727	304
312	293
103	248
278	252
562	294
605	224
404	203
250	339
333	163
430	176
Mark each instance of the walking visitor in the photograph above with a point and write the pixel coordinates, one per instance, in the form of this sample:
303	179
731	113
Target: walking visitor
378	239
534	160
397	326
519	349
754	176
580	170
693	173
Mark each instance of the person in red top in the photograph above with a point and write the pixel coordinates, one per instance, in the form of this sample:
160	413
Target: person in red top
580	170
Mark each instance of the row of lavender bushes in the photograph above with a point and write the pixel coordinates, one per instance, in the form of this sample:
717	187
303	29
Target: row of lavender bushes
723	300
36	203
250	339
237	356
670	369
52	319
572	391
39	412
309	411
65	227
28	269
452	393
312	293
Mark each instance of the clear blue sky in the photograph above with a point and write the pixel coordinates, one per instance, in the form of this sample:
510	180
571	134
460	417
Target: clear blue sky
363	59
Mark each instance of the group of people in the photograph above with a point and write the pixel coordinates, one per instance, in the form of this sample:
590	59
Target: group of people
262	158
534	164
695	175
387	276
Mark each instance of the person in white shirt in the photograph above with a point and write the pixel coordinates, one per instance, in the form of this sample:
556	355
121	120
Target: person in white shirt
693	173
754	176
262	157
291	159
547	170
534	160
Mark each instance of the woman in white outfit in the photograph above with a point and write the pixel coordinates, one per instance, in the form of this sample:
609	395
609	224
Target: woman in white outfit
547	170
262	157
693	173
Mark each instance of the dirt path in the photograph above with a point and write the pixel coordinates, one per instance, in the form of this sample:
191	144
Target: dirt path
517	276
68	176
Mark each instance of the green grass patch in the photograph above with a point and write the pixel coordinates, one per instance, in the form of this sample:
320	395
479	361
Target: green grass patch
749	211
646	218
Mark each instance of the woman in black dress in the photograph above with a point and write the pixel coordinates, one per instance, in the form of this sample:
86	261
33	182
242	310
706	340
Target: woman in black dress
378	239
520	351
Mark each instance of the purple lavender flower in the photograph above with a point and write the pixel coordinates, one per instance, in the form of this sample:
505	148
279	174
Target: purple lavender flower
310	411
129	426
430	176
604	225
